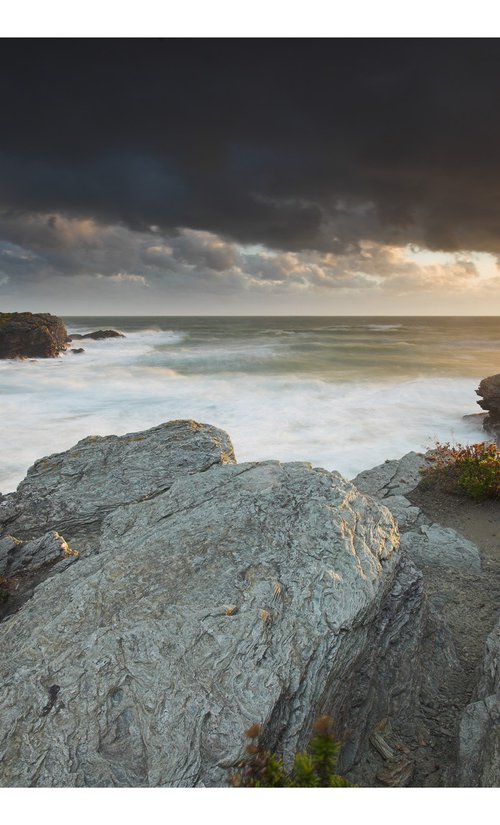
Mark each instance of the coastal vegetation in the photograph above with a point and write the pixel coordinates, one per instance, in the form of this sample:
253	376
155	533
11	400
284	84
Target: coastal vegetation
315	768
473	470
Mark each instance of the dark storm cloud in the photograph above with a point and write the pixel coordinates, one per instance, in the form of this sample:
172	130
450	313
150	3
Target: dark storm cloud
294	144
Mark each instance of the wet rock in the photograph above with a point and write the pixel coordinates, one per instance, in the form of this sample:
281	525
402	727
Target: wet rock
77	351
489	391
28	335
99	334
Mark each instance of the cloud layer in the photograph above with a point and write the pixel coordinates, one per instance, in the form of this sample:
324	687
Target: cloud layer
294	144
273	167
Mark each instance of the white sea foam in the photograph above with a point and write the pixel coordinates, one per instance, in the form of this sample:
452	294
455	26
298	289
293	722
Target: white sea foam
123	385
383	327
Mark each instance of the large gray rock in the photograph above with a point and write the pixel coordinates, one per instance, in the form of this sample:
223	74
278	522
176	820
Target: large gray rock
480	724
71	492
246	593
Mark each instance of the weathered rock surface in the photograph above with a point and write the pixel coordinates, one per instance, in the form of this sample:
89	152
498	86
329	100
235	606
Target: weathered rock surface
25	335
217	598
464	743
435	546
489	391
97	335
254	592
17	556
480	725
429	545
392	478
71	492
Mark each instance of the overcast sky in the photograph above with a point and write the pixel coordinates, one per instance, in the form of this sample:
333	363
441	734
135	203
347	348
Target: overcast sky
250	176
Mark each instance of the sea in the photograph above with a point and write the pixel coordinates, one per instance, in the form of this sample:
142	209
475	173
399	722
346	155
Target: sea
344	393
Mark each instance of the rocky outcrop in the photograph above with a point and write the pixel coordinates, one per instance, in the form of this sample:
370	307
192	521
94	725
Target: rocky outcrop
463	735
71	492
207	596
480	724
25	335
489	391
428	544
97	335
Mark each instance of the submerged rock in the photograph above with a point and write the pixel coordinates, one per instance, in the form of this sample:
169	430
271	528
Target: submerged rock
97	335
489	391
28	335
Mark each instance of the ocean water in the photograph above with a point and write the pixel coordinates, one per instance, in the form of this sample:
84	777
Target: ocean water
342	393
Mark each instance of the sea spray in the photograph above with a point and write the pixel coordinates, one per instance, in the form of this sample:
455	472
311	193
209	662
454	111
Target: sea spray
343	394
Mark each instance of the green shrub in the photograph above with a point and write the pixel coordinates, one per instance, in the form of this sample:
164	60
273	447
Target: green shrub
473	469
313	769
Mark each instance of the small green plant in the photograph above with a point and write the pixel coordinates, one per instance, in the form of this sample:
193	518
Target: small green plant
313	769
473	469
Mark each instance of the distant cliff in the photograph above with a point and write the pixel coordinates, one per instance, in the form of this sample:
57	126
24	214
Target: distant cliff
489	391
28	335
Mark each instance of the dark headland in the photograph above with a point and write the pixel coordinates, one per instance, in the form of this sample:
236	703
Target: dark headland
40	335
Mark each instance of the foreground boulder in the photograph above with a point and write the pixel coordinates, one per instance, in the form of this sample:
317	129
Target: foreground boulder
206	596
244	593
489	391
25	335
